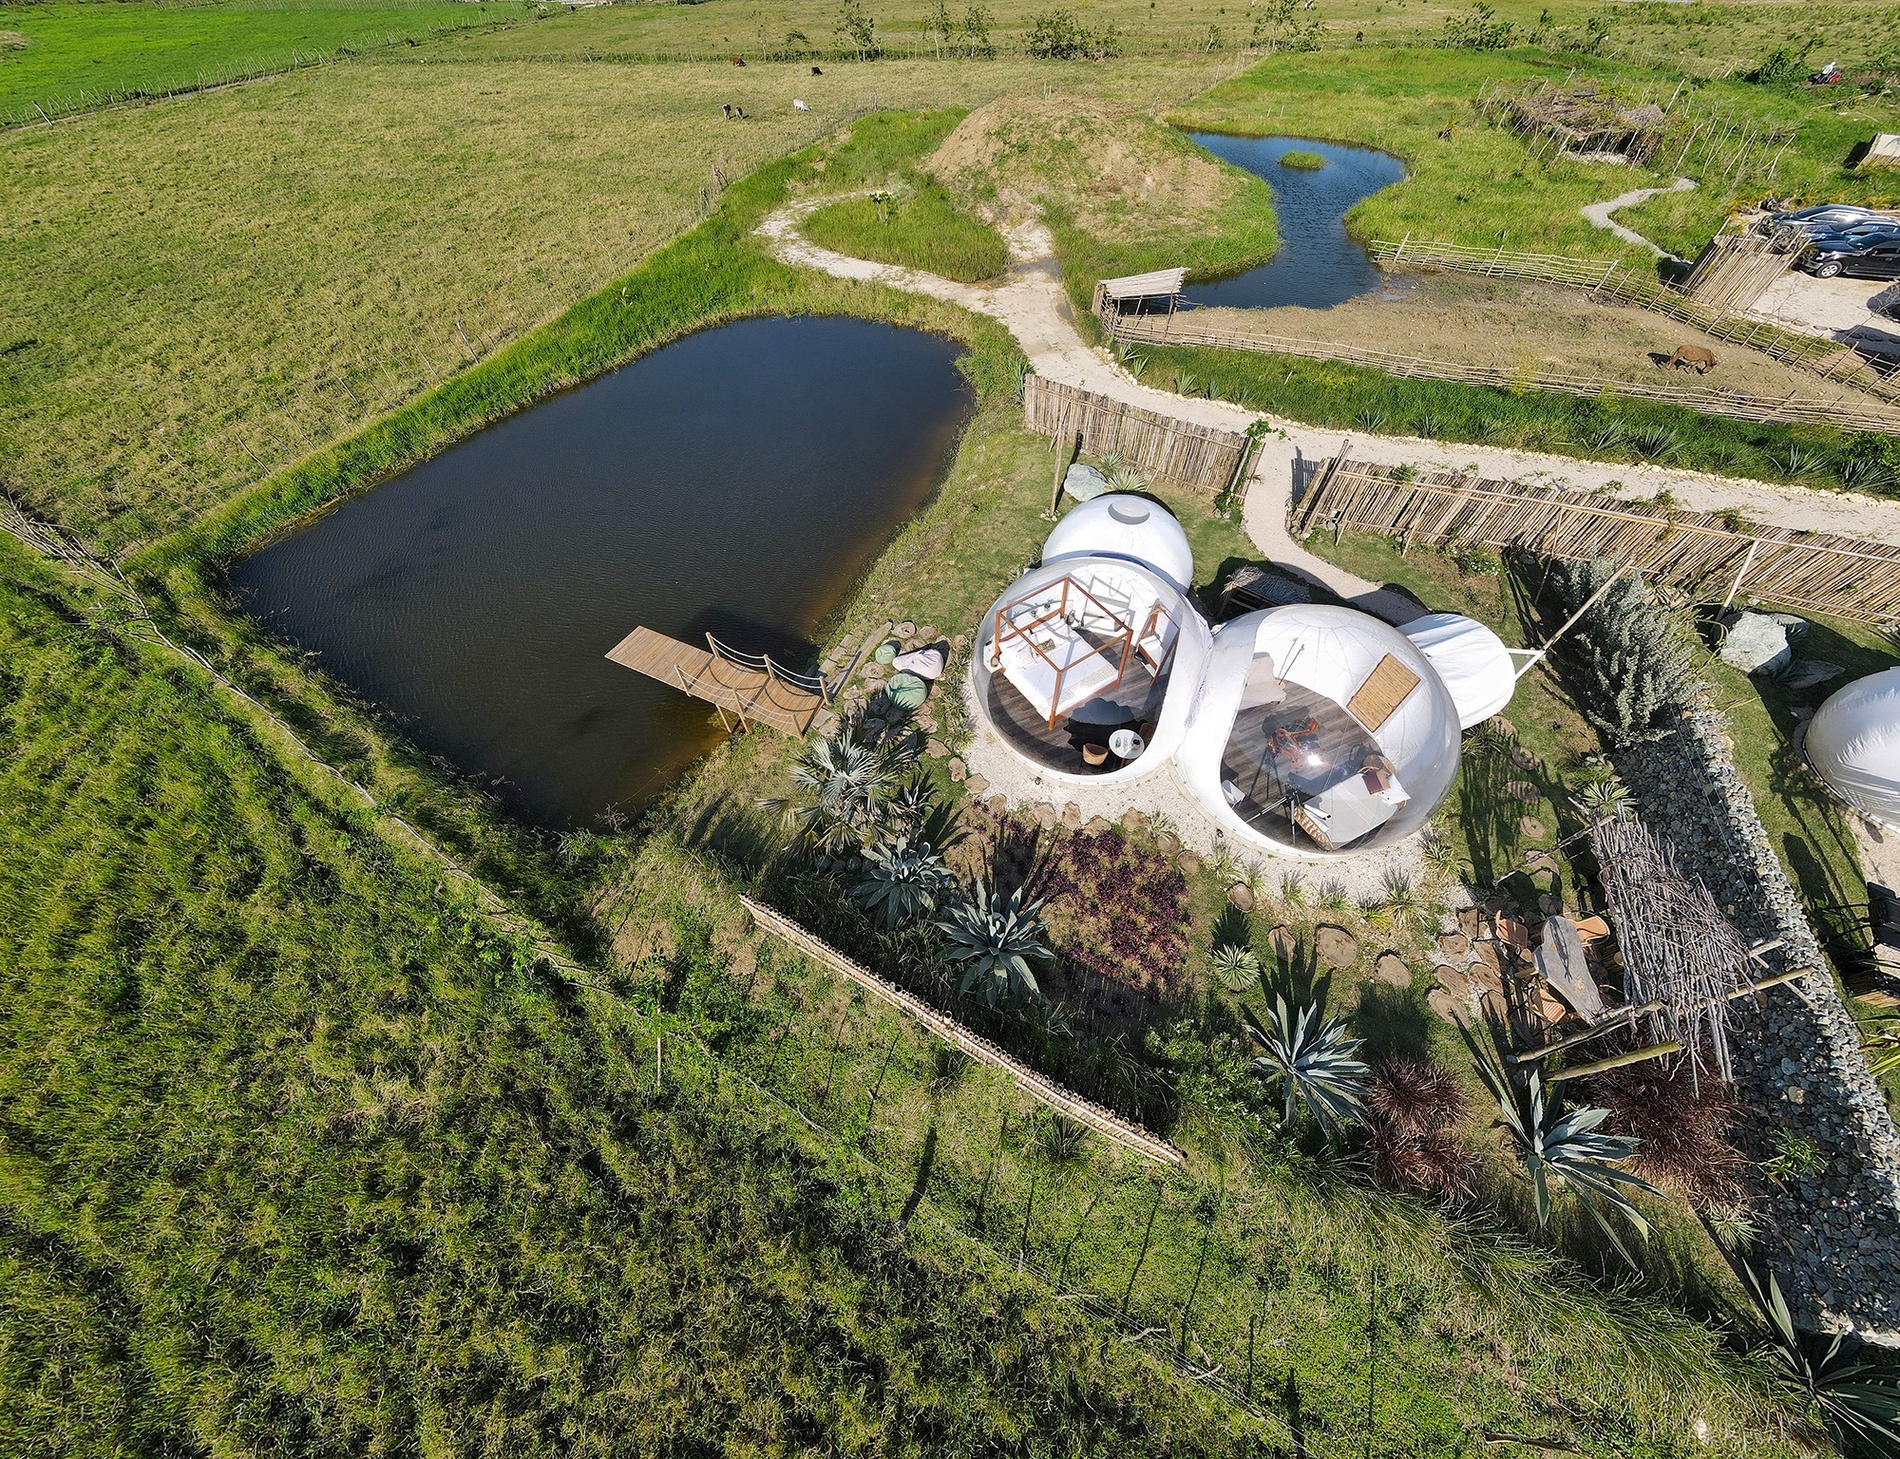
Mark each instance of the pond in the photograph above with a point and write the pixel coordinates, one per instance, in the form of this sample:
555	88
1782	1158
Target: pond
1318	265
737	481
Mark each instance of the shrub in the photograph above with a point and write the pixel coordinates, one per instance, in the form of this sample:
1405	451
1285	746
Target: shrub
1478	29
995	938
1056	35
1302	161
1117	911
1628	667
1412	1107
1307	1054
1683	1129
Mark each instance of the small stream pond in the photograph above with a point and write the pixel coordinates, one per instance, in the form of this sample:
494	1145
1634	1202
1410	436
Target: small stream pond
1318	265
737	481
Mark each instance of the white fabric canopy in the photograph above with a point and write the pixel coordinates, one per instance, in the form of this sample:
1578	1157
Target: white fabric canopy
1854	745
1471	659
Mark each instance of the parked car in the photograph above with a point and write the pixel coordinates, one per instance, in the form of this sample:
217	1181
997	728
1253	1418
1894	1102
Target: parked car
1827	215
1870	256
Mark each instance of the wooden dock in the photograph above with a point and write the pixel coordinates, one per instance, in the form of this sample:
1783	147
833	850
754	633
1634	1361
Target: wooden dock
750	686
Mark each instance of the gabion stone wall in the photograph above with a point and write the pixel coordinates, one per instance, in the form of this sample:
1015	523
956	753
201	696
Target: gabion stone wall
1834	1240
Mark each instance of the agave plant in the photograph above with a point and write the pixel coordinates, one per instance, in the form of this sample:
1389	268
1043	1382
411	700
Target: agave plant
902	879
1309	1055
1237	968
1855	1387
1561	1149
850	787
995	938
1602	798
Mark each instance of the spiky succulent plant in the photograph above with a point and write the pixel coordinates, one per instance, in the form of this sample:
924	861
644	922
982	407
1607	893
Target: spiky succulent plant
900	880
1308	1055
1237	968
995	938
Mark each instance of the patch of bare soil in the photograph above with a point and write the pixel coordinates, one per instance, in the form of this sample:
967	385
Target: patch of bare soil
1115	171
1529	328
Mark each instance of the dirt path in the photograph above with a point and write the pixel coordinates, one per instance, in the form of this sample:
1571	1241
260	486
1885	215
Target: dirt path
1598	214
1032	303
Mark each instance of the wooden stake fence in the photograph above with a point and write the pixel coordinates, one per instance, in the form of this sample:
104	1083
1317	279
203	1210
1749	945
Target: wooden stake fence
1063	1101
1739	404
1611	283
1824	573
1158	446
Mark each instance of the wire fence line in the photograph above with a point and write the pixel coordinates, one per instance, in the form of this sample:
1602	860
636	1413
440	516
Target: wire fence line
1179	329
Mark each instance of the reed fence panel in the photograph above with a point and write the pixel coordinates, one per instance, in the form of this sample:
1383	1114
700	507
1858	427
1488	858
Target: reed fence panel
1064	1101
1703	554
1179	329
1158	446
1612	283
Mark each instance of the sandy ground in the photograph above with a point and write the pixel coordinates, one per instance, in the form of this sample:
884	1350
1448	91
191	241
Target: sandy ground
1832	308
1529	327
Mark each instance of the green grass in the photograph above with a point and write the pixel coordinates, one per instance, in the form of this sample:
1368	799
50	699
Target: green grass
303	1153
1302	161
70	57
920	229
1602	428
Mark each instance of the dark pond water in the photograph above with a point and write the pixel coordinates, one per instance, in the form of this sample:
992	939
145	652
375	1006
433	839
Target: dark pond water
737	481
1318	265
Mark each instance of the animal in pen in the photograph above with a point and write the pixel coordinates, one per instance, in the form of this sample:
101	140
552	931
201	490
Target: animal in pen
1699	358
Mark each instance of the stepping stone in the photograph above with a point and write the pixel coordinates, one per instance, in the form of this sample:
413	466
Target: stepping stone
936	748
1072	817
958	770
1441	1003
1284	942
1451	979
959	643
1524	759
998	804
905	629
827	724
1168	842
1470	920
1240	895
1455	944
1337	947
1391	970
1503	726
1531	829
1098	824
1044	815
1190	863
928	633
1136	821
977	785
1523	790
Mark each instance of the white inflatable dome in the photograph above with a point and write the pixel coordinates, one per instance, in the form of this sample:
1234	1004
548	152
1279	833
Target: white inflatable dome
1854	745
1120	524
1320	730
1087	668
1471	659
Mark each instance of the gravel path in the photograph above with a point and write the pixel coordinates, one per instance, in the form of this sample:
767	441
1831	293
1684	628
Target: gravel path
1598	214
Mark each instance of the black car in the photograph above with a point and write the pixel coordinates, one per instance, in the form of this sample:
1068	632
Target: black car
1827	216
1863	255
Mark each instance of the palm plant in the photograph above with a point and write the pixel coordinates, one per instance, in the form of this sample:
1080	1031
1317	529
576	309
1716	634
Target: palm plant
1309	1055
1560	1149
850	787
995	937
1856	1388
902	879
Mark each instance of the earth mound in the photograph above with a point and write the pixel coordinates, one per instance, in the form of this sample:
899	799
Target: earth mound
1109	169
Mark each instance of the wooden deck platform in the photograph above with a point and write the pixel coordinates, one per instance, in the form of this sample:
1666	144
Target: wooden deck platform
757	694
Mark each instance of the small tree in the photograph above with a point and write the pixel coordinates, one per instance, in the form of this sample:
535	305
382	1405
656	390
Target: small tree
940	26
976	32
856	31
1478	29
850	787
1624	656
995	938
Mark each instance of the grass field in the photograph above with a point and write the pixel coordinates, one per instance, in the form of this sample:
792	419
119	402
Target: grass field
920	228
66	57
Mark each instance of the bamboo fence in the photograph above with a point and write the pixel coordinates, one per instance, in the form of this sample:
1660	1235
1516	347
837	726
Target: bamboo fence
1175	329
1158	446
1063	1101
1842	576
1611	283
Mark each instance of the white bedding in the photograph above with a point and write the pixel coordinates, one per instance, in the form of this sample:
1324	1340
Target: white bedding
1085	671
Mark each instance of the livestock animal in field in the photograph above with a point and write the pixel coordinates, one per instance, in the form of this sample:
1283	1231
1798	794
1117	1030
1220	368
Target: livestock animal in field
816	71
738	60
798	105
1699	358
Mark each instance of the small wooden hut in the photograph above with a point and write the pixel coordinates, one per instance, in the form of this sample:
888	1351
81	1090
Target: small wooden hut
1139	293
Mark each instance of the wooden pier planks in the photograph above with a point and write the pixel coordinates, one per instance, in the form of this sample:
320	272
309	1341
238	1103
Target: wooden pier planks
752	694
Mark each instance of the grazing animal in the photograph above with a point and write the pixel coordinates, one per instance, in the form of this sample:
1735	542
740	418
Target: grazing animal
798	105
739	113
1695	357
726	110
738	60
816	71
